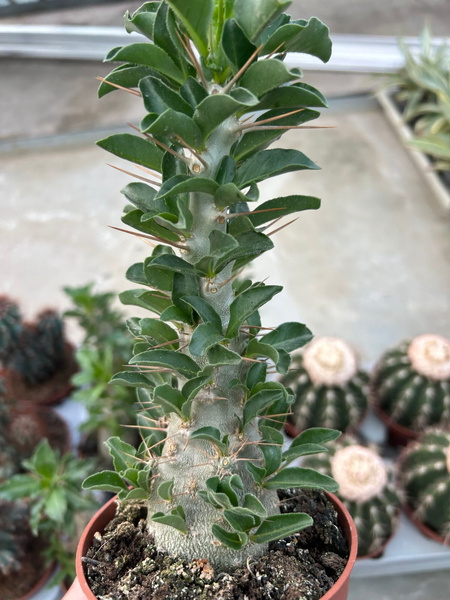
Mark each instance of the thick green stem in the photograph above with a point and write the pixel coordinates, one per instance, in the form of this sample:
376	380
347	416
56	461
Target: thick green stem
190	463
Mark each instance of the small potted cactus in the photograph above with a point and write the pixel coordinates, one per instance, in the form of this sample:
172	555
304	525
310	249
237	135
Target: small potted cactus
201	500
366	487
410	387
424	476
37	361
329	388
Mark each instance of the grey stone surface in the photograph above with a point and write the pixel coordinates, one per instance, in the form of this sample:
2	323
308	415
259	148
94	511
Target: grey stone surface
414	586
385	17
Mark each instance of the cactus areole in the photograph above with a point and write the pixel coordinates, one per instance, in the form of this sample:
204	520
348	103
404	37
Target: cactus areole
216	93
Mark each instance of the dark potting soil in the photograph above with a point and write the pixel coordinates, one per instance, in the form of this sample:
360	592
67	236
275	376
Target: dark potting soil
123	563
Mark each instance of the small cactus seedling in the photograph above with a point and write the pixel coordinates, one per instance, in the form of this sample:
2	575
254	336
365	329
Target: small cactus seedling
329	388
411	383
366	487
424	475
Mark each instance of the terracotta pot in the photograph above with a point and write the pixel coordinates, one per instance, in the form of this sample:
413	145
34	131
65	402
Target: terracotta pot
40	583
427	531
397	434
80	589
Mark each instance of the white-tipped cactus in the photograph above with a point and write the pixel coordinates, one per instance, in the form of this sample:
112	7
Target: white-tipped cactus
411	383
424	475
366	487
330	390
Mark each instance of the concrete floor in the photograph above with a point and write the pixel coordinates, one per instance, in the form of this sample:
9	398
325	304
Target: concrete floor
385	17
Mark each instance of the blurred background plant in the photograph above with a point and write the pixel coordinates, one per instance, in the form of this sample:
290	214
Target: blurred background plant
104	350
58	509
422	89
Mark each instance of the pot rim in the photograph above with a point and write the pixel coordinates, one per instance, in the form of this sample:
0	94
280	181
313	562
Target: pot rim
106	513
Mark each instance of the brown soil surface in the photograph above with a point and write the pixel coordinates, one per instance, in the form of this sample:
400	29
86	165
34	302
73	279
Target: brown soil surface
49	392
124	563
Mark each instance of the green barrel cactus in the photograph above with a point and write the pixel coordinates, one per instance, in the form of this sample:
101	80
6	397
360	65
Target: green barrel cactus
424	475
10	327
216	93
411	383
329	388
366	487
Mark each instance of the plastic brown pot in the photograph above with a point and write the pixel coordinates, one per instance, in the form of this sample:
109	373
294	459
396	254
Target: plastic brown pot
427	531
80	589
397	434
39	584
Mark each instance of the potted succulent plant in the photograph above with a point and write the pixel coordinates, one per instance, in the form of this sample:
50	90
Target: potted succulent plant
37	362
207	502
424	476
330	390
367	487
410	387
418	106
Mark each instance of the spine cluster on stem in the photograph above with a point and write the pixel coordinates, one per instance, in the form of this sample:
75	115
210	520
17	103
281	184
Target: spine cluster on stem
217	93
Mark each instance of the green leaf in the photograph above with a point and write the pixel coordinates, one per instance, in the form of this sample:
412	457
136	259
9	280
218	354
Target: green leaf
181	363
143	19
256	374
165	490
147	55
300	477
288	336
254	504
228	194
192	387
19	487
150	300
128	77
213	110
247	303
282	207
250	245
136	494
235	541
56	504
219	356
193	92
159	331
173	263
235	44
170	123
133	148
161	279
308	37
259	402
293	96
204	337
196	17
170	399
141	195
130	379
158	97
123	454
304	450
256	472
241	519
108	481
270	163
172	520
211	435
277	527
45	460
265	75
255	15
316	435
205	310
256	348
187	184
221	243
